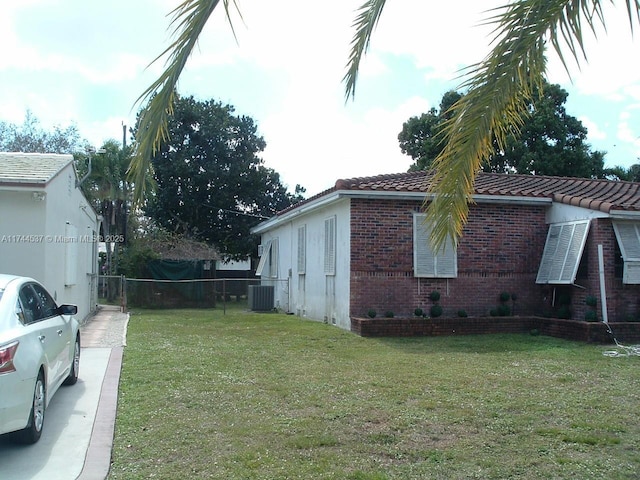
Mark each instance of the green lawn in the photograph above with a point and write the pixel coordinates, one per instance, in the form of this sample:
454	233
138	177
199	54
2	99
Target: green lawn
270	396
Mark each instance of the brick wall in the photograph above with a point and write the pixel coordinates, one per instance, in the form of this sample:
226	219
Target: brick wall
500	251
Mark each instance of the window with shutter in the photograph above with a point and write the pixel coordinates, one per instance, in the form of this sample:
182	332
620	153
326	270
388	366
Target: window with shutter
426	262
628	236
562	252
302	249
265	251
330	246
273	259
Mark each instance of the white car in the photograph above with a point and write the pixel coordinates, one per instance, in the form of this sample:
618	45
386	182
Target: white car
39	351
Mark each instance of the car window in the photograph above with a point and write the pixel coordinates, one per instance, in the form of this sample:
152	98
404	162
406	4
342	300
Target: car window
48	305
29	304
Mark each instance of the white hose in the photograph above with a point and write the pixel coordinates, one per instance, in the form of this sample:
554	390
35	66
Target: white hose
621	350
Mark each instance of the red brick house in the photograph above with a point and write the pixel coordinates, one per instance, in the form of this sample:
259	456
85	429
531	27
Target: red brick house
548	242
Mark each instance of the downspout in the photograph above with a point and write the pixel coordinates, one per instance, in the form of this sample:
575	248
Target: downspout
88	174
603	294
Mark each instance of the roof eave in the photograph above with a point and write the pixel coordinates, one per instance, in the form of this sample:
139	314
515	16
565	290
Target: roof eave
395	195
625	214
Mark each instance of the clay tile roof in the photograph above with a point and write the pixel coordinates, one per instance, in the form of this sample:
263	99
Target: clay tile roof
596	194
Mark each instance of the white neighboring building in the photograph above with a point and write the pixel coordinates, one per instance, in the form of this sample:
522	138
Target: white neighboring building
48	230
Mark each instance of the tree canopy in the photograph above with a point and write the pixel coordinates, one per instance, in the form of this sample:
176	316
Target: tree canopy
211	184
421	137
550	141
31	137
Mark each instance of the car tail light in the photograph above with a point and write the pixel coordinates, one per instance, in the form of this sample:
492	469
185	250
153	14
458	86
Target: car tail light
7	352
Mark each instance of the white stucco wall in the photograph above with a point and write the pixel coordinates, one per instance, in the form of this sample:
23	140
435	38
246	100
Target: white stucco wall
313	295
35	239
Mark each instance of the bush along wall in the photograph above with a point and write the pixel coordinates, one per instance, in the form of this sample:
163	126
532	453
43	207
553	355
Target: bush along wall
436	309
592	314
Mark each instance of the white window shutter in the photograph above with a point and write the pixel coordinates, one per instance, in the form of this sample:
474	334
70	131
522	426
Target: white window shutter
330	246
426	262
273	259
550	248
266	251
628	236
562	252
447	262
302	249
631	272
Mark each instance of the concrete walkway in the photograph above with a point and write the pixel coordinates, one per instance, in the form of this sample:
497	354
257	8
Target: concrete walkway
79	425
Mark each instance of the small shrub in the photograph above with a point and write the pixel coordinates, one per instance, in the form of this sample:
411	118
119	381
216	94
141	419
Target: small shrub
418	312
505	296
534	332
564	312
388	314
462	313
503	310
493	312
436	311
591	301
591	316
434	296
372	313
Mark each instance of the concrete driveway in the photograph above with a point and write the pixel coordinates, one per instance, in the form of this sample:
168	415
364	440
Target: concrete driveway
78	435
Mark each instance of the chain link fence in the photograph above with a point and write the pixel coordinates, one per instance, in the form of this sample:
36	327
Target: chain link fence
200	293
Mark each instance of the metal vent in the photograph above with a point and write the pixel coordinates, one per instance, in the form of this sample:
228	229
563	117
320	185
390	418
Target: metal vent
261	298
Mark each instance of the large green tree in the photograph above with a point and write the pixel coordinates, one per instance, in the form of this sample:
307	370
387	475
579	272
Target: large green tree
211	183
550	141
421	137
498	88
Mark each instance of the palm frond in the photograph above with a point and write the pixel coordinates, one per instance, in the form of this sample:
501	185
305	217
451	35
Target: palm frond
365	23
188	21
499	88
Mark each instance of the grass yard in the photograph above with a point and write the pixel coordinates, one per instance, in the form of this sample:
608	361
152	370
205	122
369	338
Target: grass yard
269	396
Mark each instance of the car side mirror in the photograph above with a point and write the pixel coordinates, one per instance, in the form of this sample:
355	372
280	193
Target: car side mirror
67	310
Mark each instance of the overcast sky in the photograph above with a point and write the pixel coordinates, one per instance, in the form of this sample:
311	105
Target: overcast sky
85	63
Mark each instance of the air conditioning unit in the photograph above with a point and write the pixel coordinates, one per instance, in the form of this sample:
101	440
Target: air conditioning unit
261	298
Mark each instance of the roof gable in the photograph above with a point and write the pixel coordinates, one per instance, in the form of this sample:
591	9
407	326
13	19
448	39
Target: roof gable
31	168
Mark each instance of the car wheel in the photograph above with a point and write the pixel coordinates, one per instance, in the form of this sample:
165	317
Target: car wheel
75	364
31	433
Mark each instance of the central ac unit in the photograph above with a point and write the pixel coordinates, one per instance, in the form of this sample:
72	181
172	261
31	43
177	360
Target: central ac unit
261	298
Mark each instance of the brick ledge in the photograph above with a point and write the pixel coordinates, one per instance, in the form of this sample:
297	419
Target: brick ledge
593	332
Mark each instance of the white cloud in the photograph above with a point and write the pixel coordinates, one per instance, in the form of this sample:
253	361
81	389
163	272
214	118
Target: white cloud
595	133
628	130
